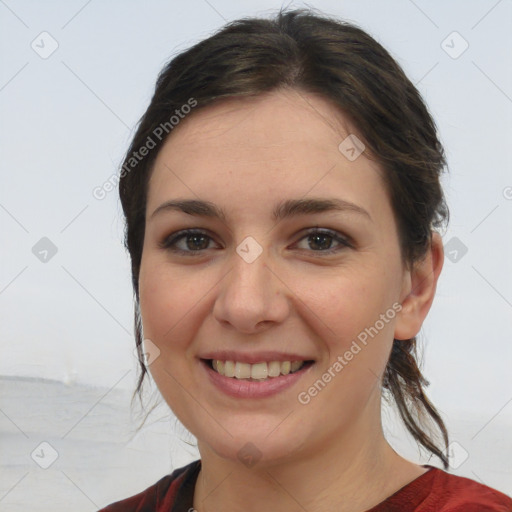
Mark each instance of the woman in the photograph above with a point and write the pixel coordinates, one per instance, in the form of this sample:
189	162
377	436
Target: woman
281	197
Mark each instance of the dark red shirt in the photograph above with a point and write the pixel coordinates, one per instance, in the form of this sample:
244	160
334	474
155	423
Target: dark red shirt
434	491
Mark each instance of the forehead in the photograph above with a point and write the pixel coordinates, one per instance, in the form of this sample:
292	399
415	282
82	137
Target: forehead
276	121
278	145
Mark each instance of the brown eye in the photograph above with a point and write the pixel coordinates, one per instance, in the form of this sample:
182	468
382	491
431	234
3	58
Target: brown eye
192	242
322	240
189	240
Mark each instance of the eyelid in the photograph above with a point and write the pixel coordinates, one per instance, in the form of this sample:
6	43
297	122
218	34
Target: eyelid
166	242
344	241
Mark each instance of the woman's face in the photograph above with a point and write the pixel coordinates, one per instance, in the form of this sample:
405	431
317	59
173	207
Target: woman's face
269	289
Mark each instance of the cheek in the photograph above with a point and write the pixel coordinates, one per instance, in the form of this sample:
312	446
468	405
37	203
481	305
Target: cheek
167	299
352	317
170	306
346	302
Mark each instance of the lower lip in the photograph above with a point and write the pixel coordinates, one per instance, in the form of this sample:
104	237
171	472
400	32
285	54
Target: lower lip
241	388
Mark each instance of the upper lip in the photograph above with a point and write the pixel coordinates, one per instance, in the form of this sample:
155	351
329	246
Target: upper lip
253	357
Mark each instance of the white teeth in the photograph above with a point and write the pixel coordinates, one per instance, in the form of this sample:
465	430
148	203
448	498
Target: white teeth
242	371
274	368
229	369
259	371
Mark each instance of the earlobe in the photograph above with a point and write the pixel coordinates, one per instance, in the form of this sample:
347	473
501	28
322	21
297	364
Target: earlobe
419	290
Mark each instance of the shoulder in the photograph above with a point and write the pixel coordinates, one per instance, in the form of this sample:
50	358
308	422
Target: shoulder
451	493
159	496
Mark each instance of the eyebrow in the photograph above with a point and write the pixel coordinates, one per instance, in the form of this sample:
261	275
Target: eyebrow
283	210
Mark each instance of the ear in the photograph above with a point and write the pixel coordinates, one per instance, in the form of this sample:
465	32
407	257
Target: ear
418	290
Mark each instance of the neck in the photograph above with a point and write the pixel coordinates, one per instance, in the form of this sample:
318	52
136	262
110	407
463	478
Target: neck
356	473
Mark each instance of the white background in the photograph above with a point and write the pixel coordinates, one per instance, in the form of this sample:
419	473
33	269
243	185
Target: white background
65	123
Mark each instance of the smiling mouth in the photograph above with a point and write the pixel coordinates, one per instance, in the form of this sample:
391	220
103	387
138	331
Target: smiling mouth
256	372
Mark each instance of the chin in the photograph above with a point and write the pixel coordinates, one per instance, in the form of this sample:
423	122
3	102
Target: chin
253	448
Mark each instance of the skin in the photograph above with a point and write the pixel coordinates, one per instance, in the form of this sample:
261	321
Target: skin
246	155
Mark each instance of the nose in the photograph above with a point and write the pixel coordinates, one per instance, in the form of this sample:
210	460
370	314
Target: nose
251	296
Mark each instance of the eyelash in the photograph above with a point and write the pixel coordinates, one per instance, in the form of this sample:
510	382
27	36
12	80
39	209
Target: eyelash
169	242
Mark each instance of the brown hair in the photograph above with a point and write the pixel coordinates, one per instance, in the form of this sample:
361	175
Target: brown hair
305	51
